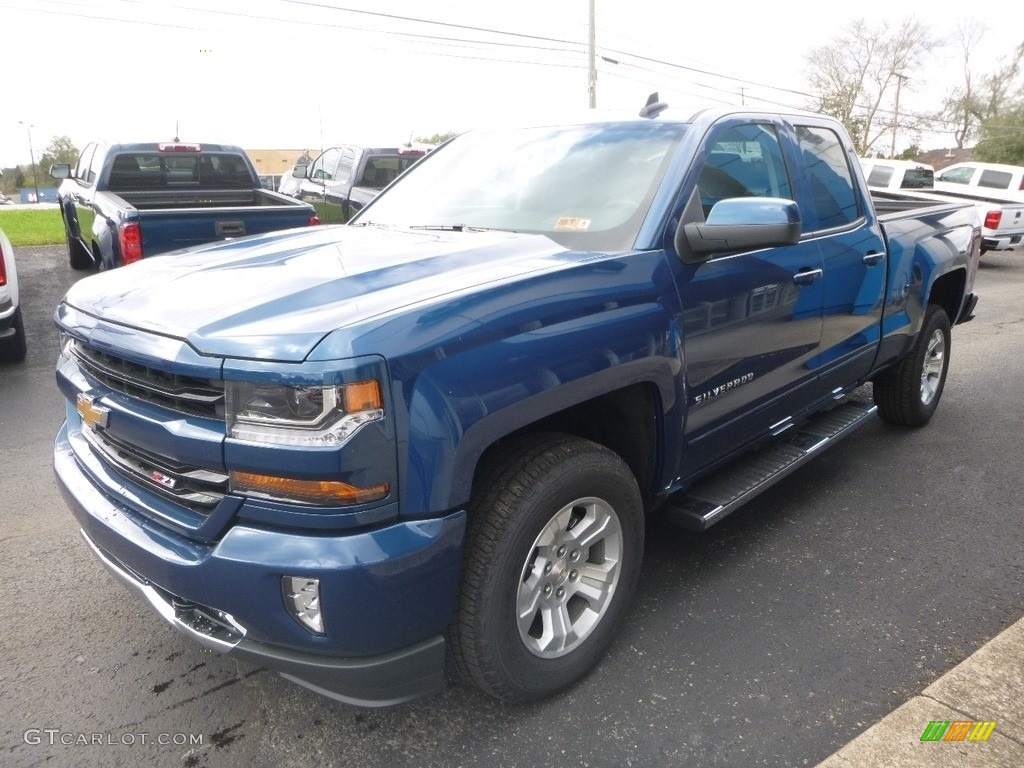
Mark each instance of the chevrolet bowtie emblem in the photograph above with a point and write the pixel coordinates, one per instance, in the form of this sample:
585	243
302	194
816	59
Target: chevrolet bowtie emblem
92	414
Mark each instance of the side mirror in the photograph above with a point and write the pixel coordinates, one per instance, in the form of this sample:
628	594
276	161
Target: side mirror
737	224
60	170
299	171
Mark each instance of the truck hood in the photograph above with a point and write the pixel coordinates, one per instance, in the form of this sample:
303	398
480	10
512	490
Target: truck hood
274	297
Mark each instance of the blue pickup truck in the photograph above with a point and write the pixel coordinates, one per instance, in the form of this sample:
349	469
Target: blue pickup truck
123	202
427	441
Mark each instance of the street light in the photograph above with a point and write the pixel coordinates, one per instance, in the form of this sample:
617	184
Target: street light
31	156
900	77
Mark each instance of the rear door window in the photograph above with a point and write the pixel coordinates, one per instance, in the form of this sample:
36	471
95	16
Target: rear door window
828	171
82	168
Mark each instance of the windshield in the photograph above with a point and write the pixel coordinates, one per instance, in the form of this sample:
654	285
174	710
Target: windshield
587	187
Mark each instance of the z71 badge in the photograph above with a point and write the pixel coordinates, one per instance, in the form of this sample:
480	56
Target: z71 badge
721	389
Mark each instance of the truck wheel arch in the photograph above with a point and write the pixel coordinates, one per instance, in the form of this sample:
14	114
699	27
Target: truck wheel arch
643	389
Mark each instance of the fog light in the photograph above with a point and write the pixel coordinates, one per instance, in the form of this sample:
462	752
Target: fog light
302	599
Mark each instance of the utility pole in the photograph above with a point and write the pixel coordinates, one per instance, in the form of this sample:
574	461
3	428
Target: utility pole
900	77
592	76
31	156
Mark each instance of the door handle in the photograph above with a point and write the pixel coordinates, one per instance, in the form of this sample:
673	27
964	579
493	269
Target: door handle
872	258
806	276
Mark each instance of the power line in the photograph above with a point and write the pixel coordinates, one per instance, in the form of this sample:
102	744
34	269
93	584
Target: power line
430	21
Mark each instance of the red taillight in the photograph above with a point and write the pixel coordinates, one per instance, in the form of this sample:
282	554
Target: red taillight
1022	183
130	237
992	219
3	268
313	220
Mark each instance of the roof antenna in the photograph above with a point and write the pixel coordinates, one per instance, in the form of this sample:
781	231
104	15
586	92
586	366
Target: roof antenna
176	132
653	107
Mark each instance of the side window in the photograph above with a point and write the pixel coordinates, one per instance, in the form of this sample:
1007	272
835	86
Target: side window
880	176
323	167
828	170
96	164
744	161
918	178
995	179
958	175
345	165
82	167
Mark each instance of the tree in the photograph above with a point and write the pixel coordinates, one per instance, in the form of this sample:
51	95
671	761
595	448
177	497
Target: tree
964	108
909	153
970	105
9	180
60	150
437	138
1002	137
861	71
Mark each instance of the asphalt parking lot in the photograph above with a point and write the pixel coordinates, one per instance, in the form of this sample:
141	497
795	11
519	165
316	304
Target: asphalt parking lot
770	640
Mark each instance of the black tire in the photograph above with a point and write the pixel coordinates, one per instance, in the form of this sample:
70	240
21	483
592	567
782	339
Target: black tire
545	485
909	393
13	349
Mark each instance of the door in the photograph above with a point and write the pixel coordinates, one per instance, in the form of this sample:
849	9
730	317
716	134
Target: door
82	194
751	320
853	253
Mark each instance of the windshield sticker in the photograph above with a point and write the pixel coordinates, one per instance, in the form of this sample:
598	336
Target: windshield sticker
572	224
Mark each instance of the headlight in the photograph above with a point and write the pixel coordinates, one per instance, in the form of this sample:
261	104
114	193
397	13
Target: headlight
303	415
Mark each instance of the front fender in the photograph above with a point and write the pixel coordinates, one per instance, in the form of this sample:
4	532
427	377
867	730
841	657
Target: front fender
463	404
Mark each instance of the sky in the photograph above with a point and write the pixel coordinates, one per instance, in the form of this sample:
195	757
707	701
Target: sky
291	74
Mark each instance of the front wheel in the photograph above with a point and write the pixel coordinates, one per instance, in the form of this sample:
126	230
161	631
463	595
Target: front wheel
553	553
909	394
78	254
14	348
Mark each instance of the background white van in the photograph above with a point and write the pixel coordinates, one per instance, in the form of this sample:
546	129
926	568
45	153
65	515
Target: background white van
897	174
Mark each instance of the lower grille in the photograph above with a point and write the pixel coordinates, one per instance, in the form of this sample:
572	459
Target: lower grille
197	488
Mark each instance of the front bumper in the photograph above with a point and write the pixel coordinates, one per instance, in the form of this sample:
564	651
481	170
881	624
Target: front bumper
387	594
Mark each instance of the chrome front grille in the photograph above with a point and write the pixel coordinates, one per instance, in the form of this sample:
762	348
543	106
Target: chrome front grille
186	394
197	488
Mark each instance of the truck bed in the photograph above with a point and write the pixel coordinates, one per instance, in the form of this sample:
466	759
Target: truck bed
1002	222
177	199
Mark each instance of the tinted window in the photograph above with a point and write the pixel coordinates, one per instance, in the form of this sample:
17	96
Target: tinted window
828	170
918	178
381	170
152	170
995	179
880	176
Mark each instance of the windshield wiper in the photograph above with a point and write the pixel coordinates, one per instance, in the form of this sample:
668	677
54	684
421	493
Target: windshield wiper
450	227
